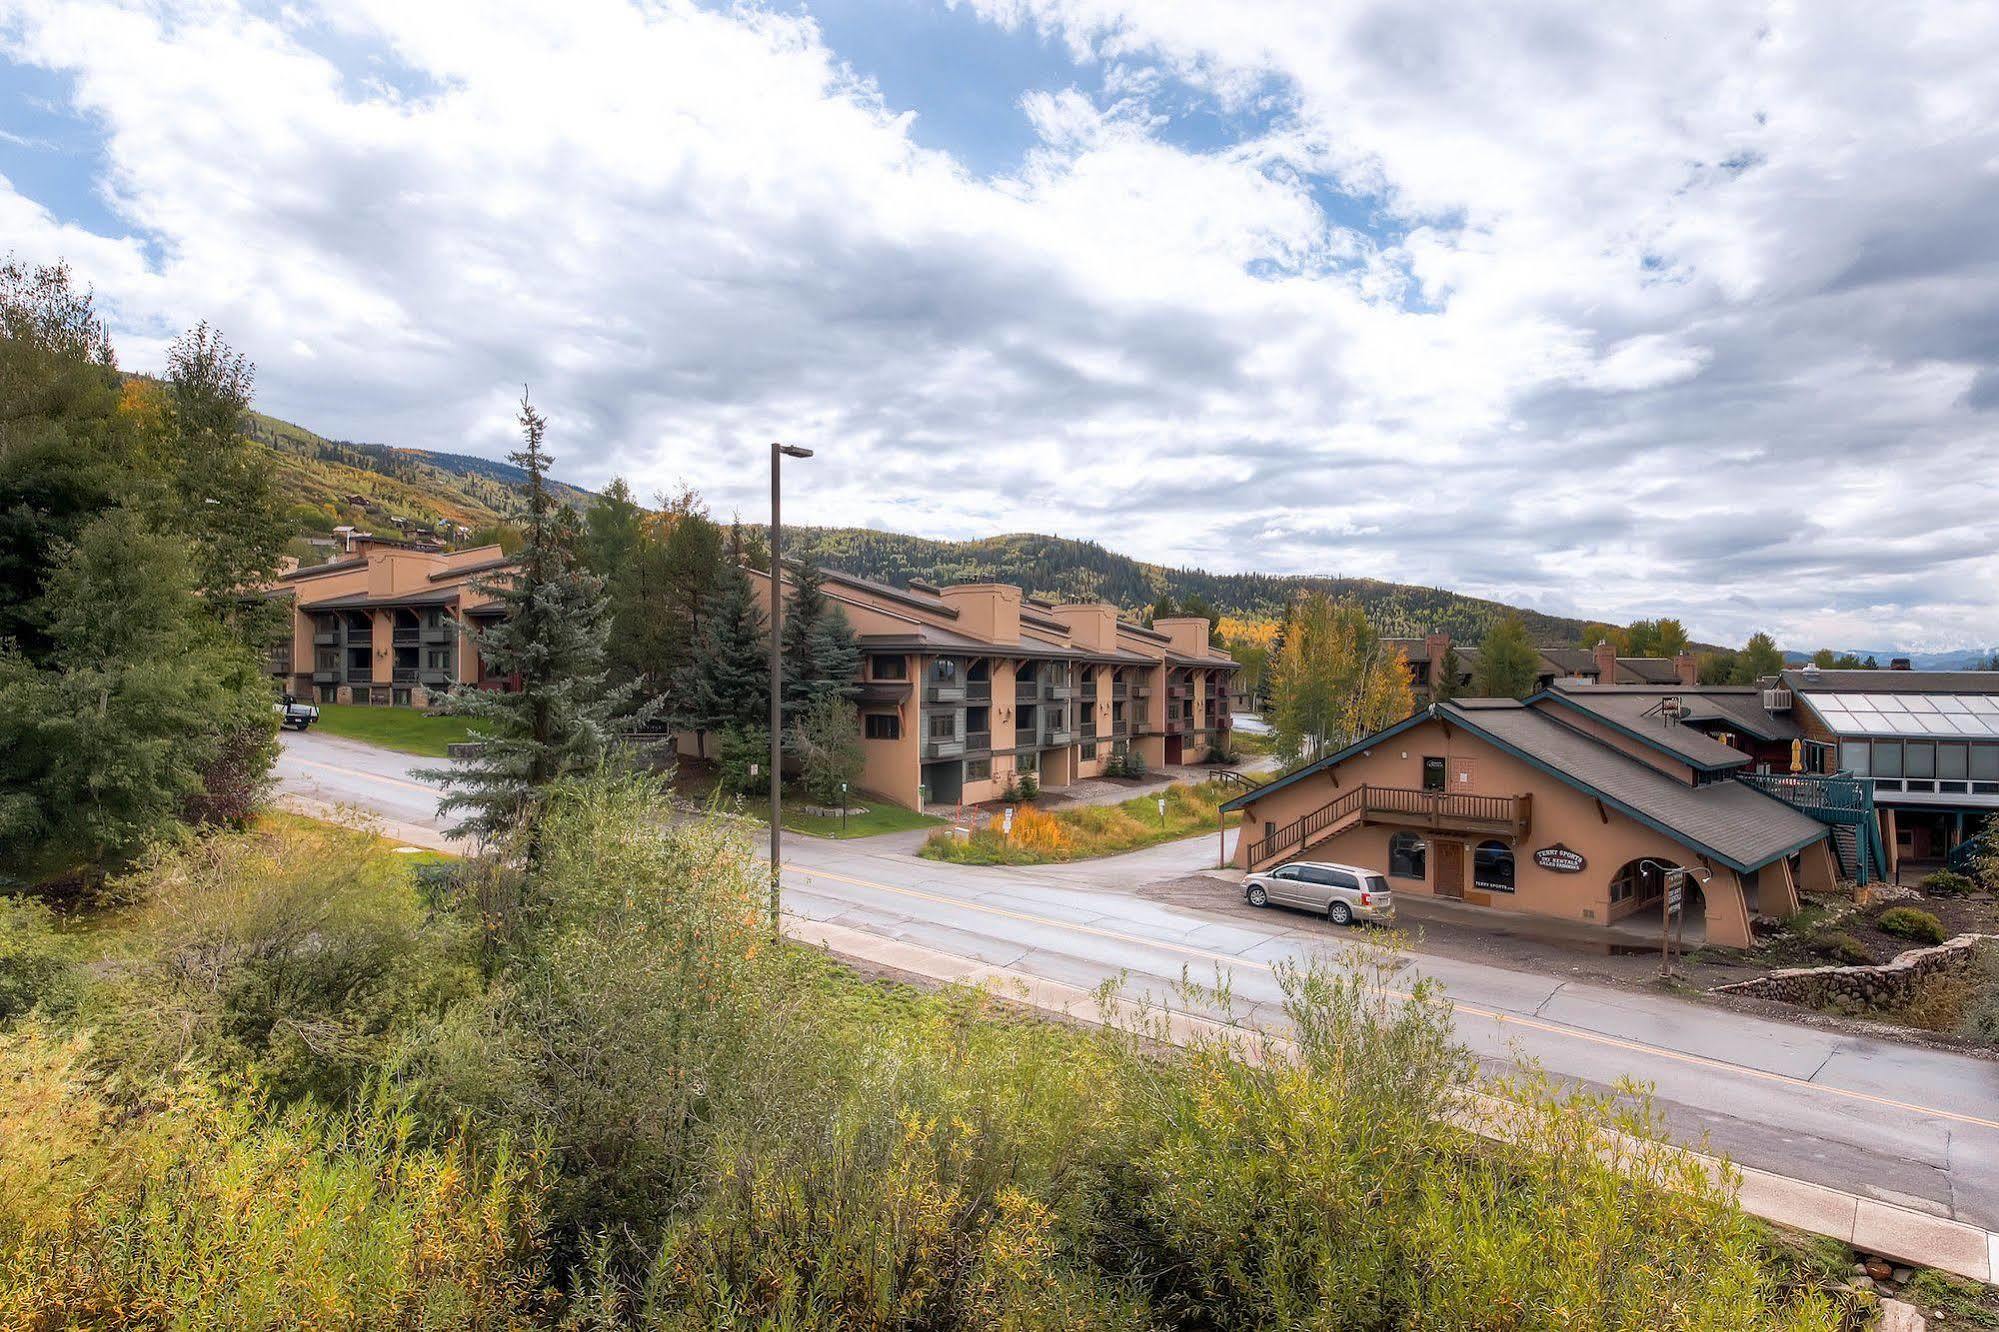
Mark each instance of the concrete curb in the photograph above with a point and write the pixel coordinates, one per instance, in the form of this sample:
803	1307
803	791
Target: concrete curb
1898	1233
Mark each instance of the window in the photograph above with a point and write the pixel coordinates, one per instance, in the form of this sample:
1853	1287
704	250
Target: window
1089	750
944	670
1920	759
1407	856
883	726
1639	881
978	770
1952	761
943	726
1887	758
1985	763
891	668
1433	773
1492	867
1854	756
1028	762
1328	878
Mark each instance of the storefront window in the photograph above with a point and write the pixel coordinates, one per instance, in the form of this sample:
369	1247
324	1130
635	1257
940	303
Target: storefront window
1492	867
1407	856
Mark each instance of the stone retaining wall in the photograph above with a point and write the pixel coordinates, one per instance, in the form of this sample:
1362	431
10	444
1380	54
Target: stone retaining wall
1885	986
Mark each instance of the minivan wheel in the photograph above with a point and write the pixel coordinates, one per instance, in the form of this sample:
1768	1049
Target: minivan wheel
1257	897
1340	913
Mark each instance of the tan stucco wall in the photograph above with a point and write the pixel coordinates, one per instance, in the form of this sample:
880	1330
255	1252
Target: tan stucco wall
1561	814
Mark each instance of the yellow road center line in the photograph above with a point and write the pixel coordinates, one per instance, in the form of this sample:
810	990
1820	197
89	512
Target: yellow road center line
1463	1009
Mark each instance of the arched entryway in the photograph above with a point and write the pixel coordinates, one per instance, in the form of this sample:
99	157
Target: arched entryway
1641	885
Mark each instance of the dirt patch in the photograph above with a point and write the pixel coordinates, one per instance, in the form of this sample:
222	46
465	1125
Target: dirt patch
1819	932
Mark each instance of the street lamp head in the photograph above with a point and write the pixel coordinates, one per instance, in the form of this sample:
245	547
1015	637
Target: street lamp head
793	451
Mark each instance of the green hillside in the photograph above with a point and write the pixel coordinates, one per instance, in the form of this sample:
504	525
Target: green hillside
423	488
1066	570
322	476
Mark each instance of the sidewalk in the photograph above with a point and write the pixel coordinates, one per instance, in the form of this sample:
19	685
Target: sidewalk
1869	1225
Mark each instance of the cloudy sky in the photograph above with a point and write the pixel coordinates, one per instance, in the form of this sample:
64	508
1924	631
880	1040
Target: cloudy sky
1694	317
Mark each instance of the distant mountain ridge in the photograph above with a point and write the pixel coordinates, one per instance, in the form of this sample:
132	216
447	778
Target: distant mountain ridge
425	486
1066	569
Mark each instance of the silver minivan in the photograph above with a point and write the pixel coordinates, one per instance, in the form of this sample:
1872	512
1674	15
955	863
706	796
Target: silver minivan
1346	893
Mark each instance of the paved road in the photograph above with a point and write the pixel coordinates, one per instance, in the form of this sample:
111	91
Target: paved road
1877	1118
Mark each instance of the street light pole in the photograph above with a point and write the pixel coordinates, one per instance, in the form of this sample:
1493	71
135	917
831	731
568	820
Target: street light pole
777	679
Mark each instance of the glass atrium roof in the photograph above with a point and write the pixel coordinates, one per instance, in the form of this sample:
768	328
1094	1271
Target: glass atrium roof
1911	716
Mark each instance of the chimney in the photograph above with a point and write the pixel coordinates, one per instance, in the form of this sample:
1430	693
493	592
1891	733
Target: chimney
1688	667
1092	625
1606	661
990	611
1187	634
1899	664
1436	644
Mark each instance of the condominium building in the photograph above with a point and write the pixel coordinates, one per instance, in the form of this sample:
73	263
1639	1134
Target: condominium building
381	623
964	686
1428	657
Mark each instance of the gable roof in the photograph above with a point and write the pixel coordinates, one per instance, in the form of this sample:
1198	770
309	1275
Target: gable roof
1636	711
1727	820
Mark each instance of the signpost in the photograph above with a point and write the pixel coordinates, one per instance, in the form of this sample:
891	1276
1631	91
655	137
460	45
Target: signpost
1162	811
843	809
1676	889
1006	821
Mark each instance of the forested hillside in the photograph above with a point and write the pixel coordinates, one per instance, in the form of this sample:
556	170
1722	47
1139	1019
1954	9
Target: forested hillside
320	477
1064	569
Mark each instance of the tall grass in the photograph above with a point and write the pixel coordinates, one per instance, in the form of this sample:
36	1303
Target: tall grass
732	1135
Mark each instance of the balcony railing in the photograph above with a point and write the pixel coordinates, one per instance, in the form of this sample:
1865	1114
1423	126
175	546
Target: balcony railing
1179	691
1176	726
406	637
1059	735
404	675
1026	691
1398	806
977	741
325	638
978	691
946	692
1141	691
938	747
322	675
1058	691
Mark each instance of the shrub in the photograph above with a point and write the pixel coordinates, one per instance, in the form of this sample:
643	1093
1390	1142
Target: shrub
1946	883
205	1213
827	741
1010	793
1134	763
1911	923
298	955
35	965
1839	946
742	760
1980	1018
1030	786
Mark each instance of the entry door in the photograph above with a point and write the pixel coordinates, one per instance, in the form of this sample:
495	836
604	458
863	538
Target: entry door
1450	868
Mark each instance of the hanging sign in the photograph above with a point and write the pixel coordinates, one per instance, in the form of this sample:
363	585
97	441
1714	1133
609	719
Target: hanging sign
1560	859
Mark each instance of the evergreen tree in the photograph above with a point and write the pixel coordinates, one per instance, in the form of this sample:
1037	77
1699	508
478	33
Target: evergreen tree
1508	665
141	702
728	681
551	637
1449	669
218	488
687	570
1162	609
822	658
1759	658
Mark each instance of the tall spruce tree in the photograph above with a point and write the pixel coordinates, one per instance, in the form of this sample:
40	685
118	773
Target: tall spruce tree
551	638
822	659
727	686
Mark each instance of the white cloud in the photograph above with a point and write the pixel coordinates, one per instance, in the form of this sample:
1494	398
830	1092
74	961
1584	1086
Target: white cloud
1684	318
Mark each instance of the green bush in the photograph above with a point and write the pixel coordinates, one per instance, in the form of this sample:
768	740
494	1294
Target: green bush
1980	1019
1946	883
1911	923
742	760
1964	1301
35	963
298	955
1030	786
1839	946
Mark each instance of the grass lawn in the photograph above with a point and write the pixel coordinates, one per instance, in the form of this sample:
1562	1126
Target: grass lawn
1041	837
881	816
406	729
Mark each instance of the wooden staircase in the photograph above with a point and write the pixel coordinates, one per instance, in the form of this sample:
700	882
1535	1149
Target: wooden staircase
1473	815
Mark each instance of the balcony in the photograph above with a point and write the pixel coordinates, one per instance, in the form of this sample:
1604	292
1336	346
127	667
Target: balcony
1179	691
1119	693
406	637
1176	726
940	747
1058	736
946	692
325	675
978	742
1399	807
1058	691
1140	691
403	675
978	691
326	638
1026	691
439	633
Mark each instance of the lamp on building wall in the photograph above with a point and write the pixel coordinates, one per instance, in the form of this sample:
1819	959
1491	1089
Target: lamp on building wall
777	451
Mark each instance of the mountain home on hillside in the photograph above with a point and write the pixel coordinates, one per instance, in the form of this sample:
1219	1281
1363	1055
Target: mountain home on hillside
964	686
381	624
